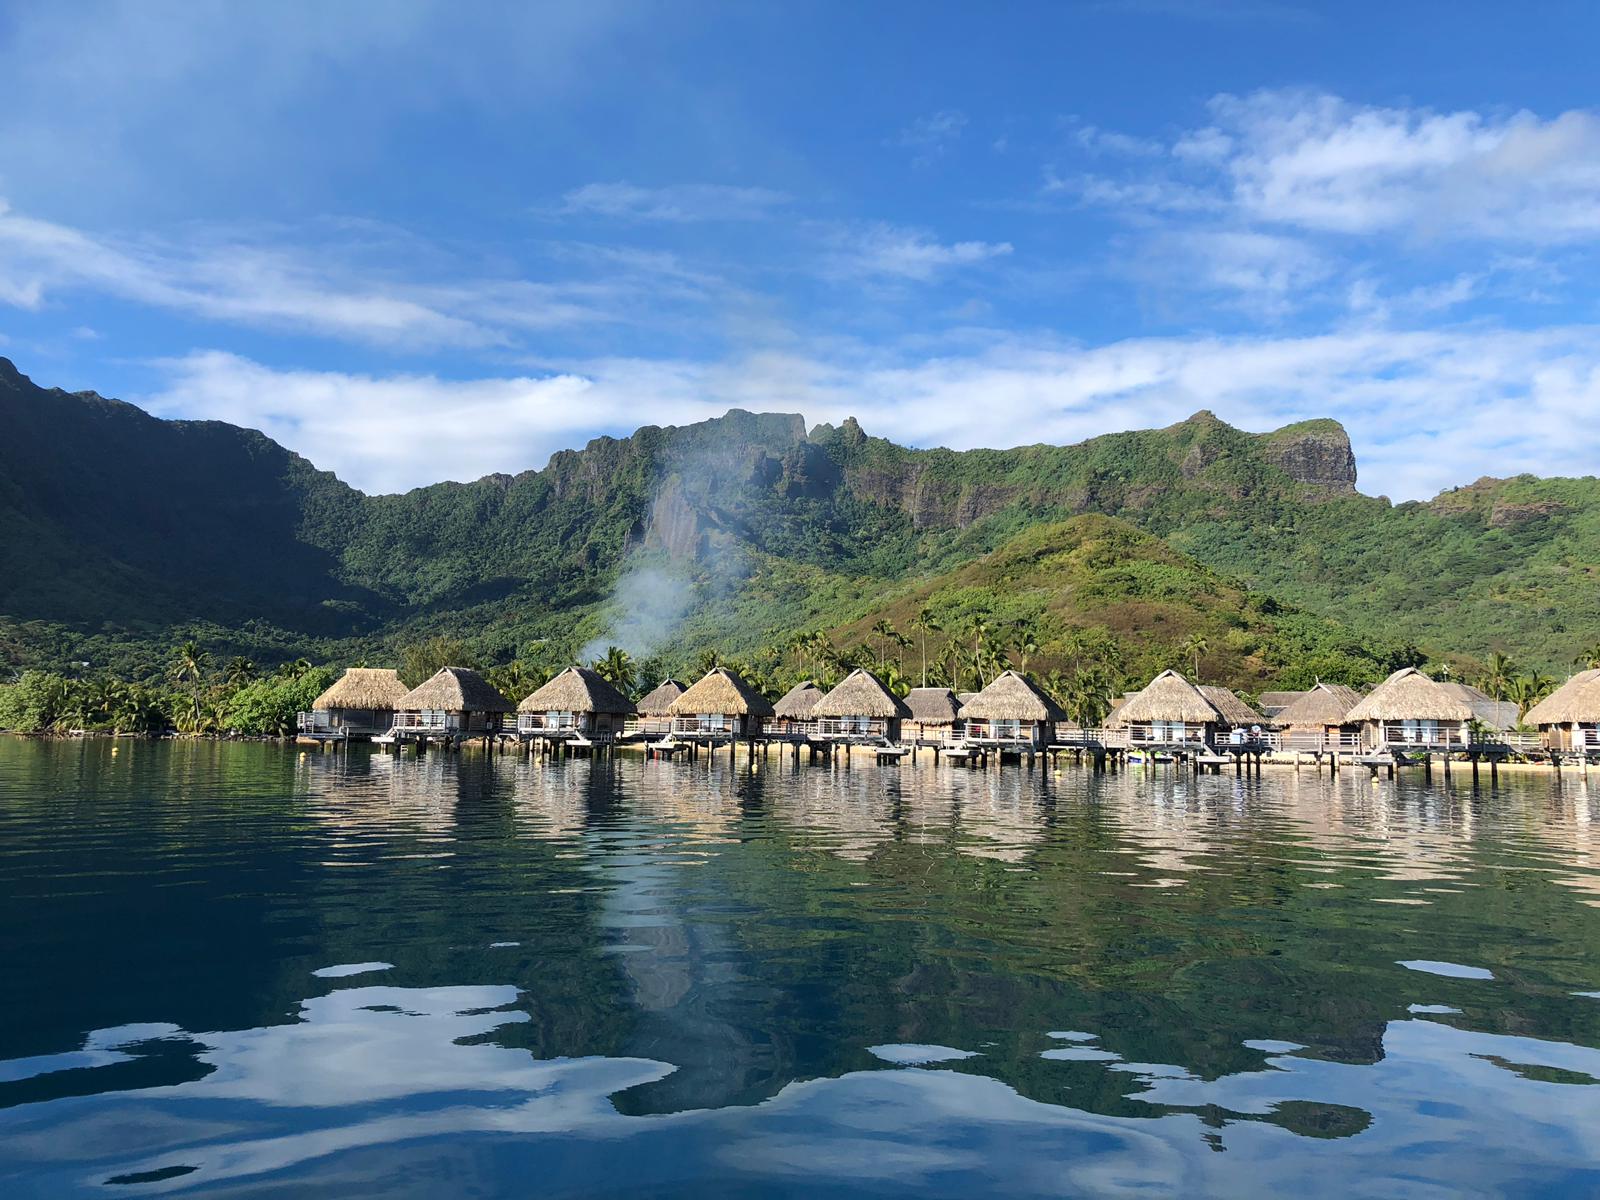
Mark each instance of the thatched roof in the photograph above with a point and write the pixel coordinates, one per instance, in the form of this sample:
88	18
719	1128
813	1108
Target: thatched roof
1499	715
1409	695
658	701
931	705
796	704
363	687
1233	710
1012	697
1325	704
1168	697
577	690
454	689
861	694
1272	703
1578	699
721	691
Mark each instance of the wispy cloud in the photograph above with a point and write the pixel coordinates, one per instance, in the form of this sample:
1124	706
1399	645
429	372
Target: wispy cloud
677	203
309	282
890	252
930	137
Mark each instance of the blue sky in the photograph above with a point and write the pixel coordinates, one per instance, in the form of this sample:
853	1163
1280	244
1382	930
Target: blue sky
417	241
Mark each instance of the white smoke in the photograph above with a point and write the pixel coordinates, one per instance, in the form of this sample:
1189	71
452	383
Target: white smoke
651	604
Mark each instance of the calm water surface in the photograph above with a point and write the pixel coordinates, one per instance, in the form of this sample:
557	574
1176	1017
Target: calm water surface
240	970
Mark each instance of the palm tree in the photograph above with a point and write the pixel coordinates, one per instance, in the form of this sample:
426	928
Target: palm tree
1025	641
884	630
976	630
707	662
1527	690
1497	673
1588	660
616	667
925	623
1195	645
240	671
189	665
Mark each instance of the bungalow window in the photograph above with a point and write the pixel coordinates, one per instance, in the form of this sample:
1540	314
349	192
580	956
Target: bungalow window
1008	729
1419	731
714	721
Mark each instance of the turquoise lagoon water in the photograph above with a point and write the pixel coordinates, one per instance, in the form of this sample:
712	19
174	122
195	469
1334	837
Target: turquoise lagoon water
241	970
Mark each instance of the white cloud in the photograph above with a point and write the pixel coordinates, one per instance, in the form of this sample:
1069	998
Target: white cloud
891	252
1425	411
931	136
1262	274
1321	163
678	203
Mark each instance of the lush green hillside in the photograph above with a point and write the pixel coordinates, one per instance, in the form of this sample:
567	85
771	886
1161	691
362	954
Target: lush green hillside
123	533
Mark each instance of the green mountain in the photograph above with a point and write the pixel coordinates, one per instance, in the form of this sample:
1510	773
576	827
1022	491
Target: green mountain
123	533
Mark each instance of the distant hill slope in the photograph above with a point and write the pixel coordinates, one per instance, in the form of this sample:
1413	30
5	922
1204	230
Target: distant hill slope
117	530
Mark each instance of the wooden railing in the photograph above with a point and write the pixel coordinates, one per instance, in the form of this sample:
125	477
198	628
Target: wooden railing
314	723
1416	739
1519	741
849	727
423	720
1317	743
547	723
715	726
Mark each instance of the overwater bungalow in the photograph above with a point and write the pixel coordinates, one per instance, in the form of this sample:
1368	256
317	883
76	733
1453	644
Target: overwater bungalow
1409	711
360	703
792	712
721	705
1316	719
576	704
455	701
860	707
1569	718
655	709
1171	711
935	715
1239	721
1012	711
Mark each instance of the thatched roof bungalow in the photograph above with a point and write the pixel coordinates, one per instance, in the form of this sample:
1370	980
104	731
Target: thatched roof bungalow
1316	717
1408	710
791	714
861	706
1171	711
1569	717
655	707
935	713
455	700
362	700
577	702
1235	713
1012	709
720	705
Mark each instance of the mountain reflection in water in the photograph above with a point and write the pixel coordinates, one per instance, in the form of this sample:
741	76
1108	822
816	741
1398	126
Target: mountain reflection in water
238	969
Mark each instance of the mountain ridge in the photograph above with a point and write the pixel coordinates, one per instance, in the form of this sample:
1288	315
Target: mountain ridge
124	527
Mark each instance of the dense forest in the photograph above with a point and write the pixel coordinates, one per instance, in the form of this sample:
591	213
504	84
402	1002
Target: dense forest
1250	558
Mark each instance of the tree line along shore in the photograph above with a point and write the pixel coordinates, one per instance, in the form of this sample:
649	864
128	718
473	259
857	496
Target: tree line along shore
199	696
